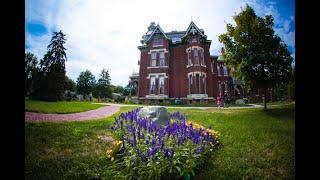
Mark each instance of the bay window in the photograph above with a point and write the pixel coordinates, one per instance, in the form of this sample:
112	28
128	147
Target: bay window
202	57
189	57
196	56
161	59
153	59
152	85
161	85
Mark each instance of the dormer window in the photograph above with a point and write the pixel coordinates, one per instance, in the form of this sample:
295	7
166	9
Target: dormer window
157	42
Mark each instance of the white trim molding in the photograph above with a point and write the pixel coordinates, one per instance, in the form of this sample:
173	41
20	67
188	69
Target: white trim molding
159	96
197	96
194	47
157	75
156	67
161	45
158	50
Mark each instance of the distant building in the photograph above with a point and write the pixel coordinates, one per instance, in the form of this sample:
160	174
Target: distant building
178	65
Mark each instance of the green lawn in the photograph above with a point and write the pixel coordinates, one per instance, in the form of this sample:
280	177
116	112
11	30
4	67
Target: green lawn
60	107
255	145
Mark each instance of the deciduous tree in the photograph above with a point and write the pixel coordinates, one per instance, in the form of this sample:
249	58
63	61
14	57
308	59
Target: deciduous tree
254	52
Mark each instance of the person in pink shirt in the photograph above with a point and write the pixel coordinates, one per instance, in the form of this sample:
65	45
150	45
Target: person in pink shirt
218	101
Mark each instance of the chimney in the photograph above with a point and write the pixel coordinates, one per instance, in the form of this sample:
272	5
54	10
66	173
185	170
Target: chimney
152	26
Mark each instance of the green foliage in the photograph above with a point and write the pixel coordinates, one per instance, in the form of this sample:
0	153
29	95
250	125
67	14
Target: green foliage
130	89
118	89
254	53
30	72
50	78
85	82
69	84
103	86
61	107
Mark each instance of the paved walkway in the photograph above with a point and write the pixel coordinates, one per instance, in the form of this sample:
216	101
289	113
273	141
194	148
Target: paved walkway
82	116
190	107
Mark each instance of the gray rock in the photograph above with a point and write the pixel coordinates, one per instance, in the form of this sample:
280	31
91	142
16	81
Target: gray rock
159	114
240	101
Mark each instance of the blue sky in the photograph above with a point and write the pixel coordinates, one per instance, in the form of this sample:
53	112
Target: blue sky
105	34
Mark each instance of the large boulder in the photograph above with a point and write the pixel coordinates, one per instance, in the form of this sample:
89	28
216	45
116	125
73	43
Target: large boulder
159	114
240	101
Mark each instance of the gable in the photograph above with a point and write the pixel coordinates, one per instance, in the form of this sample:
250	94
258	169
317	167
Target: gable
156	32
193	29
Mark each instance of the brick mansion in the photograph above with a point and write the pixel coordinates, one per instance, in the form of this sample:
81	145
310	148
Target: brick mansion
178	65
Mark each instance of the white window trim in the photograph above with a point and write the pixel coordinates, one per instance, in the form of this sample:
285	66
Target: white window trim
158	50
160	85
212	68
157	67
157	75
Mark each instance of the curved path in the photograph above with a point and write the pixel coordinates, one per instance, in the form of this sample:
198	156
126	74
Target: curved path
82	116
189	107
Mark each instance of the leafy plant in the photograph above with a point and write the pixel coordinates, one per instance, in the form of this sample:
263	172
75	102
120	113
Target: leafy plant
145	150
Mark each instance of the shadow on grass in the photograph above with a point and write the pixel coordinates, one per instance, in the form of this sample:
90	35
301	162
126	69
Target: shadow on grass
282	112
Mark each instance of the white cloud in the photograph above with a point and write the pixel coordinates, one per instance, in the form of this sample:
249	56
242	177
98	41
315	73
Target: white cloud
106	33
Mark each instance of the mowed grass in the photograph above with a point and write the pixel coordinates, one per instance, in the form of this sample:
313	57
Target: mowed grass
60	107
255	145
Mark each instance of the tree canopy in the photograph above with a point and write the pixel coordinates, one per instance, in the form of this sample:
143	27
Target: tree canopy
103	87
30	71
69	84
85	82
253	51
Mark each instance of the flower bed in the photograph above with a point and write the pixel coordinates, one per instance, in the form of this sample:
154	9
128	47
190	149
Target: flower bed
145	150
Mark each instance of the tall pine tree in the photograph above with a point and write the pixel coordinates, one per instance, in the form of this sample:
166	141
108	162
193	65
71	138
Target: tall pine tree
103	87
52	73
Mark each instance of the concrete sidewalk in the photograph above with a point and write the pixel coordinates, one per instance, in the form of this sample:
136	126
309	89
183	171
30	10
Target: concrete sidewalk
177	107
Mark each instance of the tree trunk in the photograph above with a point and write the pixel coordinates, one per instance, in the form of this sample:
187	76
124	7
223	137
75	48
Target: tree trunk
265	99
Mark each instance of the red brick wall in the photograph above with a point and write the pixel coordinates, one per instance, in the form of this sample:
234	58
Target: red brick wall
178	77
143	88
176	86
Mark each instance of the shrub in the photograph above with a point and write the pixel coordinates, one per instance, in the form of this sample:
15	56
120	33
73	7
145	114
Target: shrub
150	151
